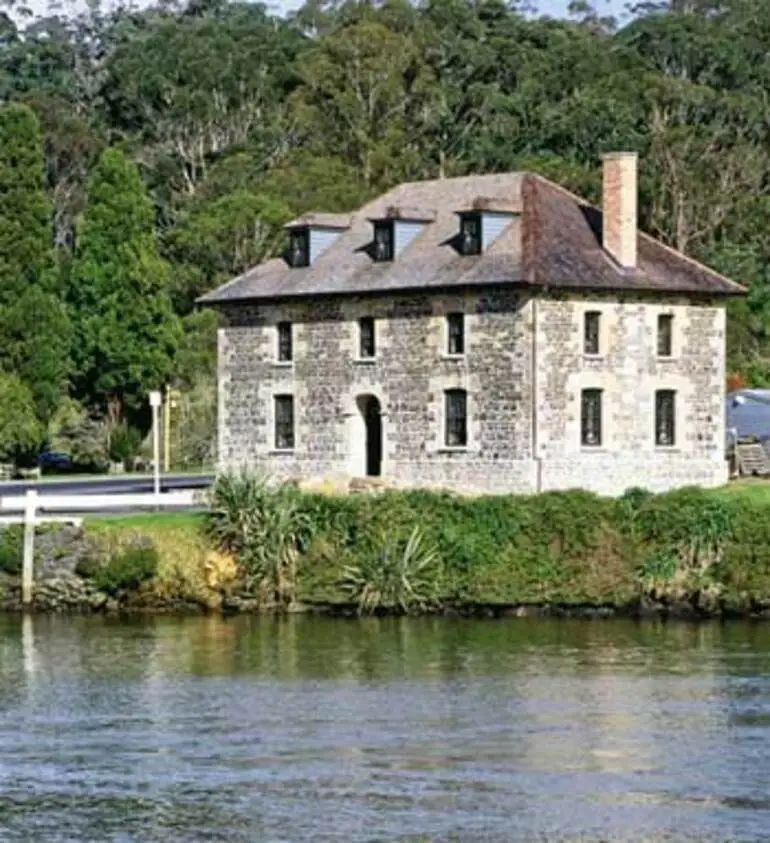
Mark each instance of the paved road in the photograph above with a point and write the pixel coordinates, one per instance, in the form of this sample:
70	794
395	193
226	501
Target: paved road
106	485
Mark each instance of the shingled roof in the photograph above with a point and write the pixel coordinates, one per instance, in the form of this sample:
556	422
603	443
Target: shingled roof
556	242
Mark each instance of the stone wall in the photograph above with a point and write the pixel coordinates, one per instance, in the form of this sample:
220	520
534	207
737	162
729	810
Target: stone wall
524	421
408	377
629	372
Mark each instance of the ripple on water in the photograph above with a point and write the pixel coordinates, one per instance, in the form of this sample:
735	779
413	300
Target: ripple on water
311	729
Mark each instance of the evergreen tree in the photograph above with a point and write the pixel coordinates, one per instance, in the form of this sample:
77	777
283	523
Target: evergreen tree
20	432
34	330
125	332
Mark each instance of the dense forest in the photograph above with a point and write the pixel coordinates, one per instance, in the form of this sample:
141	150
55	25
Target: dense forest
147	155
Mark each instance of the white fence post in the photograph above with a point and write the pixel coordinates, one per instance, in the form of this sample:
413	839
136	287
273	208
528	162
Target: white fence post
29	503
28	560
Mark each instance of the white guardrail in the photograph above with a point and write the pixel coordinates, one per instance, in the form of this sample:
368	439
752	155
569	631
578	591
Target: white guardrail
26	509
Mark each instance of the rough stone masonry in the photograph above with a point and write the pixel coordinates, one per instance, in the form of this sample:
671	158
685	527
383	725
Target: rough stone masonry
591	355
523	371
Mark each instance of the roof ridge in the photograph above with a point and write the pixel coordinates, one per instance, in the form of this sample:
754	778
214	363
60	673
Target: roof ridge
530	231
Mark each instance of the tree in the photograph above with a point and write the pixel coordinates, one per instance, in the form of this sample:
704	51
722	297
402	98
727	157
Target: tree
222	238
20	431
125	332
359	83
84	437
237	115
34	330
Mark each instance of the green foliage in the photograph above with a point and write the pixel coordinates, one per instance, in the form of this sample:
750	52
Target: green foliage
20	432
222	238
34	330
125	442
400	550
88	566
25	214
417	551
658	568
127	569
126	334
239	118
398	577
84	437
263	527
681	537
195	426
11	539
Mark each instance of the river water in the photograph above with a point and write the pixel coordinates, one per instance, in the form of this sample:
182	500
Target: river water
308	729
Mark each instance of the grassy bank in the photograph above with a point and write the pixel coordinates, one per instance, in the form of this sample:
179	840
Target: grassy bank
427	551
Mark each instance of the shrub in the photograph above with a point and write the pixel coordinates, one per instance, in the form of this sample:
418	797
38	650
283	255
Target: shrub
236	506
11	547
125	442
264	527
84	437
195	431
87	566
20	431
127	569
399	577
561	547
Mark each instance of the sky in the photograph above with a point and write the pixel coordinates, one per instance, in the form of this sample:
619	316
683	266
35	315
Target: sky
556	8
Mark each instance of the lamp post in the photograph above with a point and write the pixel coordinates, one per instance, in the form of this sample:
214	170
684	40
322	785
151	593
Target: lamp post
172	396
155	401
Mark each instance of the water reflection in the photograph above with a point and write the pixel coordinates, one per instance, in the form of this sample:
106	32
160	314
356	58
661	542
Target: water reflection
315	729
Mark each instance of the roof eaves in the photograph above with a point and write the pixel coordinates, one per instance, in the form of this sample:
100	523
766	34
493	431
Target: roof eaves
318	219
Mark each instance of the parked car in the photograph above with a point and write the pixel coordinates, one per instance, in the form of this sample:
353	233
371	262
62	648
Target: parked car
54	461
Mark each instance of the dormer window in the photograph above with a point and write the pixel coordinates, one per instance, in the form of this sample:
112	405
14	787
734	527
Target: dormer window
311	235
470	234
299	247
383	241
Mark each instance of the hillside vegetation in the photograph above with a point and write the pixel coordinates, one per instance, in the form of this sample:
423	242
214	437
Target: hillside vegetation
147	155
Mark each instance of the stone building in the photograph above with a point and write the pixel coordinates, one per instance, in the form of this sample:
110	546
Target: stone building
488	333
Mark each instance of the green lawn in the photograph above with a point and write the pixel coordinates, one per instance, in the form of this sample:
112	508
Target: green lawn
753	489
147	520
750	489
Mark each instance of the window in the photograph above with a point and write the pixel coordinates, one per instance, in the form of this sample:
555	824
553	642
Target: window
591	417
366	344
456	434
665	335
285	344
665	417
383	241
284	422
299	247
470	234
455	323
591	323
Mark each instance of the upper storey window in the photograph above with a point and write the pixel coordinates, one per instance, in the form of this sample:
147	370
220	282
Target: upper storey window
383	241
591	332
665	335
483	221
299	247
311	235
470	234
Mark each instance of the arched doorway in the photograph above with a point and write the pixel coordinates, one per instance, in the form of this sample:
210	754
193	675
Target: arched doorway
371	414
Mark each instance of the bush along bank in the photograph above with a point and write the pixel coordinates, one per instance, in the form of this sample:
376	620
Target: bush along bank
111	566
691	552
262	547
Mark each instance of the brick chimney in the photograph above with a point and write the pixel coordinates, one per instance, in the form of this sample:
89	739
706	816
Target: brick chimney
619	207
